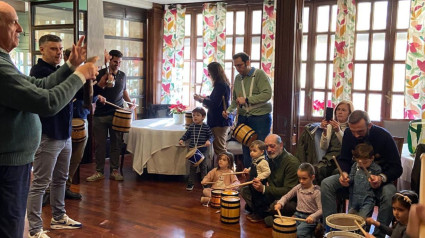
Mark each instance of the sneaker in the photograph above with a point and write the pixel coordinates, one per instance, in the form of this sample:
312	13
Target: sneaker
254	218
40	234
96	176
65	223
115	175
189	187
71	195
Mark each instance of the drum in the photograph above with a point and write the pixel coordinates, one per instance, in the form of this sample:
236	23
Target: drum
342	234
196	158
78	133
122	120
215	198
228	193
344	222
284	229
244	134
230	209
188	119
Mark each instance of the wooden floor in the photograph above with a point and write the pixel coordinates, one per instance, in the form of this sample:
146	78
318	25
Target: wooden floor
146	206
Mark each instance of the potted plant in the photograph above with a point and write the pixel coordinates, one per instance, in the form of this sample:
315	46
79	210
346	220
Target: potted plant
178	111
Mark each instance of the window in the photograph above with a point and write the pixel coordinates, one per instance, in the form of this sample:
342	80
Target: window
243	33
124	29
379	58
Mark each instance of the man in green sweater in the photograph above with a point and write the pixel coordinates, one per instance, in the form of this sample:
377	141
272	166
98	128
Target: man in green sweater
21	99
283	177
251	97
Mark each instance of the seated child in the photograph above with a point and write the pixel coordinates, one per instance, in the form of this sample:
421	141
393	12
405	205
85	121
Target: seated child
260	167
401	202
362	195
309	205
225	165
199	134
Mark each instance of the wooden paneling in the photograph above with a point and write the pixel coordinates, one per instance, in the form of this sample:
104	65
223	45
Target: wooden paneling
288	36
154	54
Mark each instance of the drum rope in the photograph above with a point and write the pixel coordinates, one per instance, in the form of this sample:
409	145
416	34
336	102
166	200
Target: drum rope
199	133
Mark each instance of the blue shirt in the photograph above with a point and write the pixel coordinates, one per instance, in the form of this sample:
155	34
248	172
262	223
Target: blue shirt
58	126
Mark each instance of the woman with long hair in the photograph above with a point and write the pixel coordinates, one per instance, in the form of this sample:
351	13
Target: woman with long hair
214	102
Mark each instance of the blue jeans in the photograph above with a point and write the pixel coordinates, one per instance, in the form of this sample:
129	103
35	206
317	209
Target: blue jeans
331	185
304	229
51	165
14	186
261	125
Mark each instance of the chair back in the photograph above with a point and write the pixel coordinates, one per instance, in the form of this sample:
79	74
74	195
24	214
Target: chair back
399	143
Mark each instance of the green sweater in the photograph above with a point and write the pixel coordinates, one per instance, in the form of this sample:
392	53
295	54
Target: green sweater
21	99
261	93
283	175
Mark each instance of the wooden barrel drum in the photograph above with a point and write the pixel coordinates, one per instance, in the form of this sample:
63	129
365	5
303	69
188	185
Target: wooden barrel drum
122	120
188	119
244	134
284	229
230	209
78	133
215	198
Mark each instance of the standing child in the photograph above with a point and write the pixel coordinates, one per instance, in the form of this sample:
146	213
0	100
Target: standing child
309	205
199	134
225	165
260	167
362	195
401	206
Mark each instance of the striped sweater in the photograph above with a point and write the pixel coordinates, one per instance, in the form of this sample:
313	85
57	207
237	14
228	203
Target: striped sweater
198	135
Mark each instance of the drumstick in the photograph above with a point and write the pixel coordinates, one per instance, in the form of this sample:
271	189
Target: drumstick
133	104
366	172
422	192
233	173
280	215
210	182
116	106
200	89
360	227
242	184
337	165
293	218
224	103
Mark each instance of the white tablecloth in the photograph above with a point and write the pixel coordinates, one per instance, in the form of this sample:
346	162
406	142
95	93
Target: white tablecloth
407	161
154	144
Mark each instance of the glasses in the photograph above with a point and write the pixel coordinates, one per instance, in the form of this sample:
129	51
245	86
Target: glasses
238	65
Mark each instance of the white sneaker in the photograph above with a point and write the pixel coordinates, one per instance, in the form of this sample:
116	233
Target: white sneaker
65	223
40	234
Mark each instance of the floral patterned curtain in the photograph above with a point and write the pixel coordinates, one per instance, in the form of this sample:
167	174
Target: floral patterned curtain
344	48
268	38
415	63
172	56
214	37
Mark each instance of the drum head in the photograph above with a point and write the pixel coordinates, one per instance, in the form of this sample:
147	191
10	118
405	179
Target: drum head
77	122
285	222
122	111
217	191
344	222
340	234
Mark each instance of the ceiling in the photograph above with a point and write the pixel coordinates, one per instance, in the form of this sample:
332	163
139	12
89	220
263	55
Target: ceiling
177	1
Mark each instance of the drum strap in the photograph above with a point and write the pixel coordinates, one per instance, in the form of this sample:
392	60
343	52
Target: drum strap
199	133
249	106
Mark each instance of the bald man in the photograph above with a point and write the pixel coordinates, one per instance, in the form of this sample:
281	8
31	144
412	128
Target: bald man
283	177
22	99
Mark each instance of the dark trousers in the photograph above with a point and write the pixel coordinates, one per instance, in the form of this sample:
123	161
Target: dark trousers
14	187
